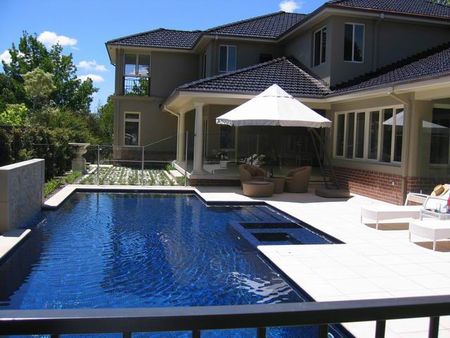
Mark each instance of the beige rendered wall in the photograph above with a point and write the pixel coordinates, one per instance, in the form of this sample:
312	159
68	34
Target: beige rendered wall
398	40
155	123
170	70
21	192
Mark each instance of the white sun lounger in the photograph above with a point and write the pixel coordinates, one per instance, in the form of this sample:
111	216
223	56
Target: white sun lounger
431	229
378	213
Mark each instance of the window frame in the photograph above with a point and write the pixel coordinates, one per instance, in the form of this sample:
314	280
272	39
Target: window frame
138	120
227	55
366	112
354	24
324	57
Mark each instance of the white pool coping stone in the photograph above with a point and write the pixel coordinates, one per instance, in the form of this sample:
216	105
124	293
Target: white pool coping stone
372	264
10	239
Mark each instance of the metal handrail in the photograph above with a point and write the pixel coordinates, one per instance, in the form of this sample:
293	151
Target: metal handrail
56	322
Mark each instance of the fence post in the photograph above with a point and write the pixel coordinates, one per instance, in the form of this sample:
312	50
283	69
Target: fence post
98	164
142	165
186	143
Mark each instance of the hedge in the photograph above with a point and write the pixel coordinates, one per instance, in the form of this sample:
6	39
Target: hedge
24	143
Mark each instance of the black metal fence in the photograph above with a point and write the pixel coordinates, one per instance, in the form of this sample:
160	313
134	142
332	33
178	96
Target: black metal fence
196	319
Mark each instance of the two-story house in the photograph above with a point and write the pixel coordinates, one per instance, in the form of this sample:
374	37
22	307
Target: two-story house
379	69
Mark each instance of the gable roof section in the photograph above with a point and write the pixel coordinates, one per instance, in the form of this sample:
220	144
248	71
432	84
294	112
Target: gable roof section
255	79
160	38
434	62
269	26
425	8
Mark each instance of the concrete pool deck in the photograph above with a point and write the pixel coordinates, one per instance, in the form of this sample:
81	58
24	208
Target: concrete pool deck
371	264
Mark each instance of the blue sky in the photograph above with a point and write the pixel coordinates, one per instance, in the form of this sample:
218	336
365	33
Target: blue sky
83	26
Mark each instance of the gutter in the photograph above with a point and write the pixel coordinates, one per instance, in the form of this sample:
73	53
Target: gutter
164	107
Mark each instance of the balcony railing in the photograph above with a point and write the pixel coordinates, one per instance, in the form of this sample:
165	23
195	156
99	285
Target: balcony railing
195	319
136	85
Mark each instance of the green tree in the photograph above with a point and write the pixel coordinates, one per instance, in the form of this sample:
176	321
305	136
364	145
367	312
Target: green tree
14	115
70	92
38	86
106	119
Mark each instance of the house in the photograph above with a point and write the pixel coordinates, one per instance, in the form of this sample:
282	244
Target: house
379	69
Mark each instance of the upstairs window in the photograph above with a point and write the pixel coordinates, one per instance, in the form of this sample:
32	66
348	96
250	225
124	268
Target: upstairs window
227	58
354	42
320	46
137	65
137	74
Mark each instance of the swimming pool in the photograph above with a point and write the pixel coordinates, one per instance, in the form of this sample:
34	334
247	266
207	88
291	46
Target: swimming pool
144	250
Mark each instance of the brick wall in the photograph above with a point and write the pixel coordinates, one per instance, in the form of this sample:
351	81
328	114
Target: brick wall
384	187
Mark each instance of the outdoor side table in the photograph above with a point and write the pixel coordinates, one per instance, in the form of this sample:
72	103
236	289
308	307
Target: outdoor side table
257	188
278	183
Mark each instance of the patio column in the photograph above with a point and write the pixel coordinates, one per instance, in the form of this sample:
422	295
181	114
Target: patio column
198	138
181	137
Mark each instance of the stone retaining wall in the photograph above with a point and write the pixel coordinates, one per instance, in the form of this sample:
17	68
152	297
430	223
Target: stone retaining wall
21	192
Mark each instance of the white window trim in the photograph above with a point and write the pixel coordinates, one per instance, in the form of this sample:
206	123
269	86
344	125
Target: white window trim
125	120
136	65
226	63
353	41
320	49
366	111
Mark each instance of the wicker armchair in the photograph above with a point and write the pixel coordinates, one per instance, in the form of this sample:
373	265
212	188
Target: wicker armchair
297	180
249	172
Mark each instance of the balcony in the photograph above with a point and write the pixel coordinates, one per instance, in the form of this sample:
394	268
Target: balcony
136	85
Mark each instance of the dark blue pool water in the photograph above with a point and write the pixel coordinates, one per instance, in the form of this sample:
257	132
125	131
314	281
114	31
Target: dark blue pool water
143	250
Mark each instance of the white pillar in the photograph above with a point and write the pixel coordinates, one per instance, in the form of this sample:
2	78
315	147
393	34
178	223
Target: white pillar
198	139
181	137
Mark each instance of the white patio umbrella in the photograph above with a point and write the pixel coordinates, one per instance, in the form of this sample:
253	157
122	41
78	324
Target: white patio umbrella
273	107
399	118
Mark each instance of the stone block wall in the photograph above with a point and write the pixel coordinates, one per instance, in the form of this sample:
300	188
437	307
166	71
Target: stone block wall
21	192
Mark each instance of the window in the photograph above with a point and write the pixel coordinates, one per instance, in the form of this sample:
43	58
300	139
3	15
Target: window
374	127
340	135
360	126
353	42
131	129
226	137
440	136
136	74
374	134
227	58
204	59
137	65
320	46
350	137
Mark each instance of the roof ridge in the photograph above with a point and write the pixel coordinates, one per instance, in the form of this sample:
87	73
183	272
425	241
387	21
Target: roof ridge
392	66
151	31
237	71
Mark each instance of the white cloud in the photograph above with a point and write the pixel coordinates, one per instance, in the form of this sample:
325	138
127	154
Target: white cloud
5	57
51	38
91	65
289	5
93	77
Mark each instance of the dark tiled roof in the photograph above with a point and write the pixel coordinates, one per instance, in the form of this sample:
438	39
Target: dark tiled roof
255	79
269	26
433	62
408	7
160	38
